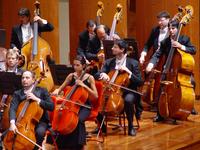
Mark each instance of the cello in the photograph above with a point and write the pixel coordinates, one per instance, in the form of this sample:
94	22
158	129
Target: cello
177	93
65	115
28	115
36	52
112	95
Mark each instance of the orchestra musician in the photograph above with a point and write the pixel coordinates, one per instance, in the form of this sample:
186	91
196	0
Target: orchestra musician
157	34
85	36
130	66
12	59
40	95
24	31
77	139
183	44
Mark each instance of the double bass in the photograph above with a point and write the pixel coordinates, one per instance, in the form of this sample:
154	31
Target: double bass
116	18
28	115
177	93
99	12
36	52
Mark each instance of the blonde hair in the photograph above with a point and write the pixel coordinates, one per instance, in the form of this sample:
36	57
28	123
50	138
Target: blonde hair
12	52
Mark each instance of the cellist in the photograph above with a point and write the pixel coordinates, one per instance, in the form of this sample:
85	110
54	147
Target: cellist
131	66
183	44
77	139
40	95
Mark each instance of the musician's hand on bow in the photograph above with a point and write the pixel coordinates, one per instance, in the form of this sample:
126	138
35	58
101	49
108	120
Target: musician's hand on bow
13	127
55	92
149	67
142	57
33	97
104	76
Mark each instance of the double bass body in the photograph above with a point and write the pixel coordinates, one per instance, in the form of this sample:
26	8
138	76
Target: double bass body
178	100
39	63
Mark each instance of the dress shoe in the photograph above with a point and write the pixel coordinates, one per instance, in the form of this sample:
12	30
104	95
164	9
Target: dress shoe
194	112
131	132
158	118
138	115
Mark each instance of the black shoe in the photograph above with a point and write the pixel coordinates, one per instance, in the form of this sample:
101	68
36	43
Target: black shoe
138	115
158	118
131	132
194	112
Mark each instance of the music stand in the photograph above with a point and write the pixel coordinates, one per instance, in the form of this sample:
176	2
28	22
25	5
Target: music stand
9	82
2	37
132	42
108	44
59	72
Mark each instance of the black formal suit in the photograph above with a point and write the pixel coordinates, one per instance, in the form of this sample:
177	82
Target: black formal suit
152	40
46	104
165	47
16	36
94	46
164	50
83	42
130	98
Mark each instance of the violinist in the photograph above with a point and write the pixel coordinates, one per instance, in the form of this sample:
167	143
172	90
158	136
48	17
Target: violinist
183	44
77	139
130	66
40	95
24	31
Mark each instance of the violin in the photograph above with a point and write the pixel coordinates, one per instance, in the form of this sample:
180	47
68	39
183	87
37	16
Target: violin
28	115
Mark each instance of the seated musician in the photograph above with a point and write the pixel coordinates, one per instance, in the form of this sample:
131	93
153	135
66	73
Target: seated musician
183	44
12	59
77	139
40	95
130	66
85	36
24	31
96	44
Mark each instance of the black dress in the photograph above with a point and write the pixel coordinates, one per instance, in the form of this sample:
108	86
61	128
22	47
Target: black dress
77	138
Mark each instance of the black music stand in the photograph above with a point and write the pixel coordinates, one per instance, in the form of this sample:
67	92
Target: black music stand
2	37
60	72
9	82
108	44
133	43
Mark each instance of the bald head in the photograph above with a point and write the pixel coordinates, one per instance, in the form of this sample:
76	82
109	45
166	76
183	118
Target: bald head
101	33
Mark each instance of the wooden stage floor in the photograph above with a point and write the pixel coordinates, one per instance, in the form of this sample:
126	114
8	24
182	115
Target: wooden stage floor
153	136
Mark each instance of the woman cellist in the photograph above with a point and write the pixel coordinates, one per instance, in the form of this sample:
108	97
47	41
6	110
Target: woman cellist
36	94
77	139
124	64
183	43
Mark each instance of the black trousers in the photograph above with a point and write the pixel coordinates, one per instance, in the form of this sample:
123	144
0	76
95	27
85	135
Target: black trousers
40	132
